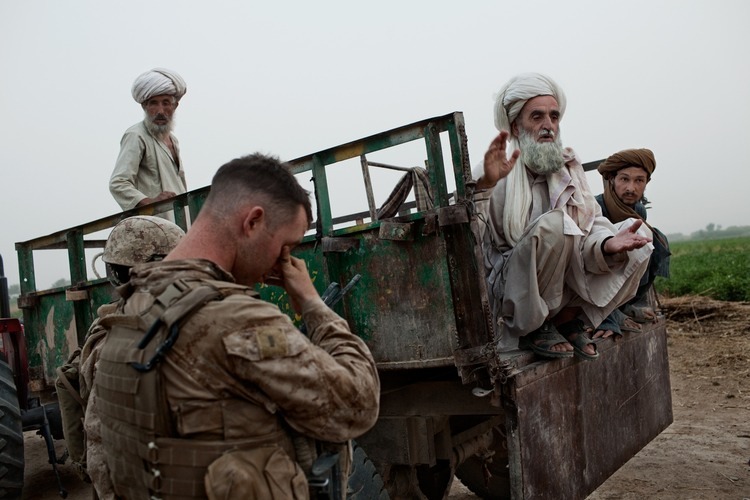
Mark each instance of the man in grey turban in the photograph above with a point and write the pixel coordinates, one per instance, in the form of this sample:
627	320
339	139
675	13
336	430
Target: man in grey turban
148	168
553	263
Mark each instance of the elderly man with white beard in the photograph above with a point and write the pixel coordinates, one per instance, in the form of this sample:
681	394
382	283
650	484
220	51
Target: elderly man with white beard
553	263
148	168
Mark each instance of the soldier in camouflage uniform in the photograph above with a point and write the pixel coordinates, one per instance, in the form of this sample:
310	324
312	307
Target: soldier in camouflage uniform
231	409
134	240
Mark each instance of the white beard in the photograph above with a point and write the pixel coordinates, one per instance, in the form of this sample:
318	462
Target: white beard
159	131
541	157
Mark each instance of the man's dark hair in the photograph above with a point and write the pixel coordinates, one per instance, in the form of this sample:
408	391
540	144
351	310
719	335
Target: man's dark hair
258	175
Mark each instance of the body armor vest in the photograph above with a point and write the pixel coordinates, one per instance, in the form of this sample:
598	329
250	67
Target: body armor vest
146	457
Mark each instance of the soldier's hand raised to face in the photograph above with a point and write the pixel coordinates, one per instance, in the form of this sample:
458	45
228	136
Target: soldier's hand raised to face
296	280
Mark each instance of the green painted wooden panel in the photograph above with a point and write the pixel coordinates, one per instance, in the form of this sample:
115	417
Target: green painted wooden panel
50	328
402	306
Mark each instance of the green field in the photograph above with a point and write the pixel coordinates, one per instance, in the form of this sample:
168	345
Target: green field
715	268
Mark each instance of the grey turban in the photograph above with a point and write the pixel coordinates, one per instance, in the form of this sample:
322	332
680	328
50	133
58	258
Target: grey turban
158	81
519	89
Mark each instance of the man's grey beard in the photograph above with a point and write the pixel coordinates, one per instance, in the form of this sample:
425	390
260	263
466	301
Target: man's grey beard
159	131
541	157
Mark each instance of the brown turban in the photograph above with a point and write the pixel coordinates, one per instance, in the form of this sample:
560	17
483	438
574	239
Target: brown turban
642	158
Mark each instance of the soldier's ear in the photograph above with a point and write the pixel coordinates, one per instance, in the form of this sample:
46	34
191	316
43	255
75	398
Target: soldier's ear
254	217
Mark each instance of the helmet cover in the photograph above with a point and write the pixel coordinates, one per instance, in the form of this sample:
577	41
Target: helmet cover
141	238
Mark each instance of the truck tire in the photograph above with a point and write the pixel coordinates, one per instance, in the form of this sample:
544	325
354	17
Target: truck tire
11	436
365	482
473	475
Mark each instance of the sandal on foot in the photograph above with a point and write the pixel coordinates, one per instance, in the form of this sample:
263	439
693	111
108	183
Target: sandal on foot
541	339
575	332
639	314
627	324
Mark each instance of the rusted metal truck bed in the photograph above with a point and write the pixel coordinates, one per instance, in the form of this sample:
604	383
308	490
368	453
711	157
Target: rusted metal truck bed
571	424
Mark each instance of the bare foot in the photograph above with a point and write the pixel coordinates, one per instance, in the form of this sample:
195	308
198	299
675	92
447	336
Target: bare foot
561	347
629	324
604	334
589	348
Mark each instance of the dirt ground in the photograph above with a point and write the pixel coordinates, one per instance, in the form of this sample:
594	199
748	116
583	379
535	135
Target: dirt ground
704	454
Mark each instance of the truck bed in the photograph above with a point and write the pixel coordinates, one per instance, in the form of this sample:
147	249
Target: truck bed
507	423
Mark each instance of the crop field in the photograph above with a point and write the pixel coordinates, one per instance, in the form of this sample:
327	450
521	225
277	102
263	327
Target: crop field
719	269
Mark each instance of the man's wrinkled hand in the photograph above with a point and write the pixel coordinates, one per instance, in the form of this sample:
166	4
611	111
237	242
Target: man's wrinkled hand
164	195
497	164
626	239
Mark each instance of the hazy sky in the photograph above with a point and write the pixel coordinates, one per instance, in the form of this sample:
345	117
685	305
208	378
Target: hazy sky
292	78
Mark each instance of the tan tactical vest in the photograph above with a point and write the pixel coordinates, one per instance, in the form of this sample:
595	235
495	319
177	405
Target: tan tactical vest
145	456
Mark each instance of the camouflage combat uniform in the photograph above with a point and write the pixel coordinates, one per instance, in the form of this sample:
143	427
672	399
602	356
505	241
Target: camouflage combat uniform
242	372
95	457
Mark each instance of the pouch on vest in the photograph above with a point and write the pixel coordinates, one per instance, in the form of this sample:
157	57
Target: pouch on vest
260	473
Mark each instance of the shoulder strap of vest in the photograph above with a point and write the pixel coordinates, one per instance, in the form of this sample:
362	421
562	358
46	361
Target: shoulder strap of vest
172	307
184	297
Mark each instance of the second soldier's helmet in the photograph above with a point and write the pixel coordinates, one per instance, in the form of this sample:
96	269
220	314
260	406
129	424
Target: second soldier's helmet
138	239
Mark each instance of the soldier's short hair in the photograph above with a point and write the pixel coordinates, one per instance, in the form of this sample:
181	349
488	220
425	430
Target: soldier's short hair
262	178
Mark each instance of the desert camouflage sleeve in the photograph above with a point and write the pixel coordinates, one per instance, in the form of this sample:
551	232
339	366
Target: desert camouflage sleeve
326	386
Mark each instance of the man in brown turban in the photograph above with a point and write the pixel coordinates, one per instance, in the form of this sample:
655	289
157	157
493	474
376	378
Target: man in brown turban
626	175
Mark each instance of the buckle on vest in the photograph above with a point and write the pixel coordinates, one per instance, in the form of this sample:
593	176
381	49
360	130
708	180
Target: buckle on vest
153	453
174	332
156	480
181	301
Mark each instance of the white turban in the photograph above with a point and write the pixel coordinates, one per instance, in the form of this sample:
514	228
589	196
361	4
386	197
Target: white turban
158	81
508	105
519	89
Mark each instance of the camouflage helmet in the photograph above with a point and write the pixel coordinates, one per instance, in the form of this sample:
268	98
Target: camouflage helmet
141	238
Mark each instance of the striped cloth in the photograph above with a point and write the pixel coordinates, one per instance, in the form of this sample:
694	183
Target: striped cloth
158	81
417	178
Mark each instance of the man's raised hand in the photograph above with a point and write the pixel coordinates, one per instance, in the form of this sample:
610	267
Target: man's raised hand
497	164
626	239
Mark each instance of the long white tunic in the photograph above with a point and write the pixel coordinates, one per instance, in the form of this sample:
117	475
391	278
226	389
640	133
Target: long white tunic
144	168
557	263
